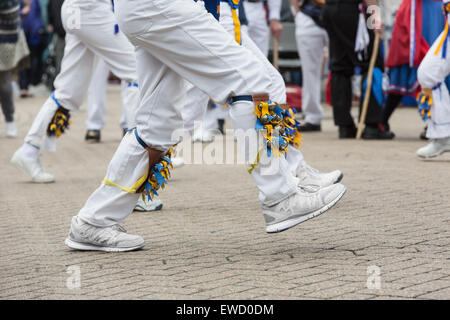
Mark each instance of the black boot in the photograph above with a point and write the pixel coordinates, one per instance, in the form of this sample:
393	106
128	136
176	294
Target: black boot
377	133
347	132
307	127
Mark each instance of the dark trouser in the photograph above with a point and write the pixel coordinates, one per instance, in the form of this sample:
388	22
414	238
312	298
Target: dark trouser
341	22
392	102
33	75
6	95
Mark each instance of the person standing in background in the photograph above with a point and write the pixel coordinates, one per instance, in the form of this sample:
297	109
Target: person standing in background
434	101
342	20
55	25
13	56
403	59
311	39
258	30
33	27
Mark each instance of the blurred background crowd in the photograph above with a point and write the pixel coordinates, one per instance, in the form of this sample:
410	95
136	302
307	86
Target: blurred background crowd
319	48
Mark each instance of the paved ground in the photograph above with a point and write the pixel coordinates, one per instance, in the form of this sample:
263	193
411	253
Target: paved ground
209	241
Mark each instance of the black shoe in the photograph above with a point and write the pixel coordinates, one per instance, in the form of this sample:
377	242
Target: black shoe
375	133
347	132
308	127
423	134
93	136
385	127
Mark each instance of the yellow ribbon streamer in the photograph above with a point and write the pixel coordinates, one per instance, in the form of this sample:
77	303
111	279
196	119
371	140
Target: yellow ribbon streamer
444	38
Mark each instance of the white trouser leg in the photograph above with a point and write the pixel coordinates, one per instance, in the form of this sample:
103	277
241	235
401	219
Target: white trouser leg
432	71
160	109
123	119
277	88
275	181
195	107
294	157
174	39
96	106
130	98
40	123
439	124
94	38
110	205
311	41
258	29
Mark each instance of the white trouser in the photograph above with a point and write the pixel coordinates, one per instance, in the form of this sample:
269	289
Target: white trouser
94	36
195	97
96	106
175	40
195	106
311	41
432	71
258	29
196	100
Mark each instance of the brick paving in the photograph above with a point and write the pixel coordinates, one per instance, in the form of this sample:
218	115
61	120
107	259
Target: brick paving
209	241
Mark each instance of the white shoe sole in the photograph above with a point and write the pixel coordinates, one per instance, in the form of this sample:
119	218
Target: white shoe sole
18	164
287	224
434	155
142	209
89	247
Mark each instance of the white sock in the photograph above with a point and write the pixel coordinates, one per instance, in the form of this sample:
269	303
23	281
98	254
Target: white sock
29	151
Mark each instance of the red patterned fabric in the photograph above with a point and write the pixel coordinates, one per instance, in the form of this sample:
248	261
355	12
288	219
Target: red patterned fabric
400	43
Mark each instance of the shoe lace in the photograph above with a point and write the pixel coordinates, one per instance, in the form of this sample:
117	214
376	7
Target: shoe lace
308	189
291	202
119	228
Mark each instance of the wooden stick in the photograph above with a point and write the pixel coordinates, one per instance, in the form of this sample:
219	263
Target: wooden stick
275	54
365	106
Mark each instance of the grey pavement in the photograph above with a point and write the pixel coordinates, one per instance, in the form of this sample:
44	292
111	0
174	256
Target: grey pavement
388	238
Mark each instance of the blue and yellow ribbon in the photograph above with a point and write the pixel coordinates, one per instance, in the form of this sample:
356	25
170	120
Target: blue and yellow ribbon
425	101
279	129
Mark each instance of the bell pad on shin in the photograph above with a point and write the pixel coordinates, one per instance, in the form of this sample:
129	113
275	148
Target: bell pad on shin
159	173
59	123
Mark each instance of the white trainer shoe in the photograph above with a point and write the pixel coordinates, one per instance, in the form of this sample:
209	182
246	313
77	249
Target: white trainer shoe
148	206
435	148
83	236
310	177
306	204
11	129
177	162
32	168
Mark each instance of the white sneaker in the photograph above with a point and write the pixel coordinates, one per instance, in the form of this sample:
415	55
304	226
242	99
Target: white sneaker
177	162
11	130
310	177
32	168
147	206
435	148
83	236
306	204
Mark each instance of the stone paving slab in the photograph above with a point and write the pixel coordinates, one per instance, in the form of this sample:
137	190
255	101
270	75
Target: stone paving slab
209	241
